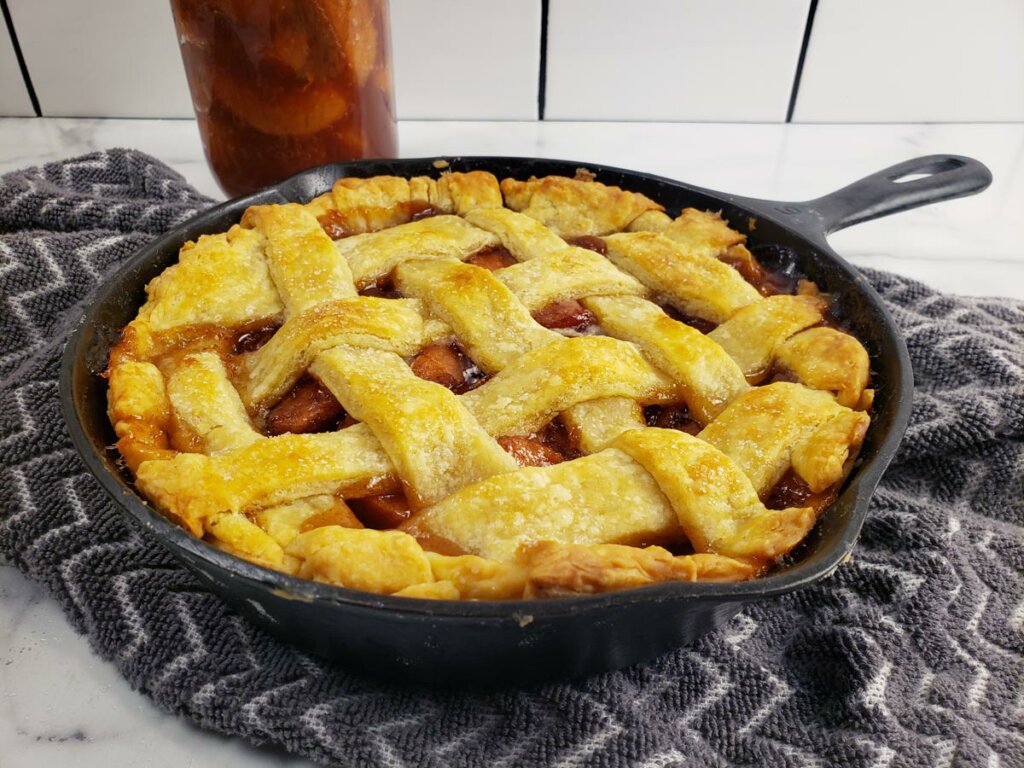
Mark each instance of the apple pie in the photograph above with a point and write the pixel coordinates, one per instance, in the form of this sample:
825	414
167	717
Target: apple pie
466	388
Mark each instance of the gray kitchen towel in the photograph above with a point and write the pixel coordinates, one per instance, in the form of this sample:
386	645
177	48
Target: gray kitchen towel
909	655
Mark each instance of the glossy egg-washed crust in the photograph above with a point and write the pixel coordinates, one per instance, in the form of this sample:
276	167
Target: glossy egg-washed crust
190	409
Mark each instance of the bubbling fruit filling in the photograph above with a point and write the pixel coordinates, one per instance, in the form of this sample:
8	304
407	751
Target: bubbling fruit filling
552	444
699	324
590	242
567	315
381	512
381	289
446	364
492	259
793	491
251	339
675	416
308	407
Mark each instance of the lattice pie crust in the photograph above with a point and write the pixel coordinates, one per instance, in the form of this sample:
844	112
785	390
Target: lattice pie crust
455	388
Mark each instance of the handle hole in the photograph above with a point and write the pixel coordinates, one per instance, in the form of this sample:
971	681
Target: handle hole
912	177
939	166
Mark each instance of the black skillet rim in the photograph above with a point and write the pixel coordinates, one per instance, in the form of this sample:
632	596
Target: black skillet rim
861	483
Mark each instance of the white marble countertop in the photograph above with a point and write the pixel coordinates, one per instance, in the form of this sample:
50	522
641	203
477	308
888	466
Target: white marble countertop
62	706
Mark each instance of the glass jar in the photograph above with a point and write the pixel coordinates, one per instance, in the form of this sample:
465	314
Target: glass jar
282	85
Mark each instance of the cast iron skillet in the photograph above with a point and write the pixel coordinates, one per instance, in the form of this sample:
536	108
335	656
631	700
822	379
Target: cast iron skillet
491	642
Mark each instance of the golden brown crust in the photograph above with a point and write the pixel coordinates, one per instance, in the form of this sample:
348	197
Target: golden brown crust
707	376
828	359
374	561
284	522
140	412
558	569
373	256
250	317
769	428
435	444
219	280
476	578
595	499
460	193
294	239
356	206
717	506
484	315
697	284
363	322
572	207
751	335
701	232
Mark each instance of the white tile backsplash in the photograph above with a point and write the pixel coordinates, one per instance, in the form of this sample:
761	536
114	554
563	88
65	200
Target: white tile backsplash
665	60
466	59
672	59
914	61
14	100
109	58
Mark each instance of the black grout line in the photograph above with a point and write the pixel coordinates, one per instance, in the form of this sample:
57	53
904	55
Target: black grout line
21	59
543	81
800	61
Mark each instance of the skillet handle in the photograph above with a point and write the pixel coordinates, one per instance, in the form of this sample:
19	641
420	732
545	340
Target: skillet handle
944	177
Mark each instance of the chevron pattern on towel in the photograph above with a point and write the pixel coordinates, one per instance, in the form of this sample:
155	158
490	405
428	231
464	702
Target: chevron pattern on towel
909	655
